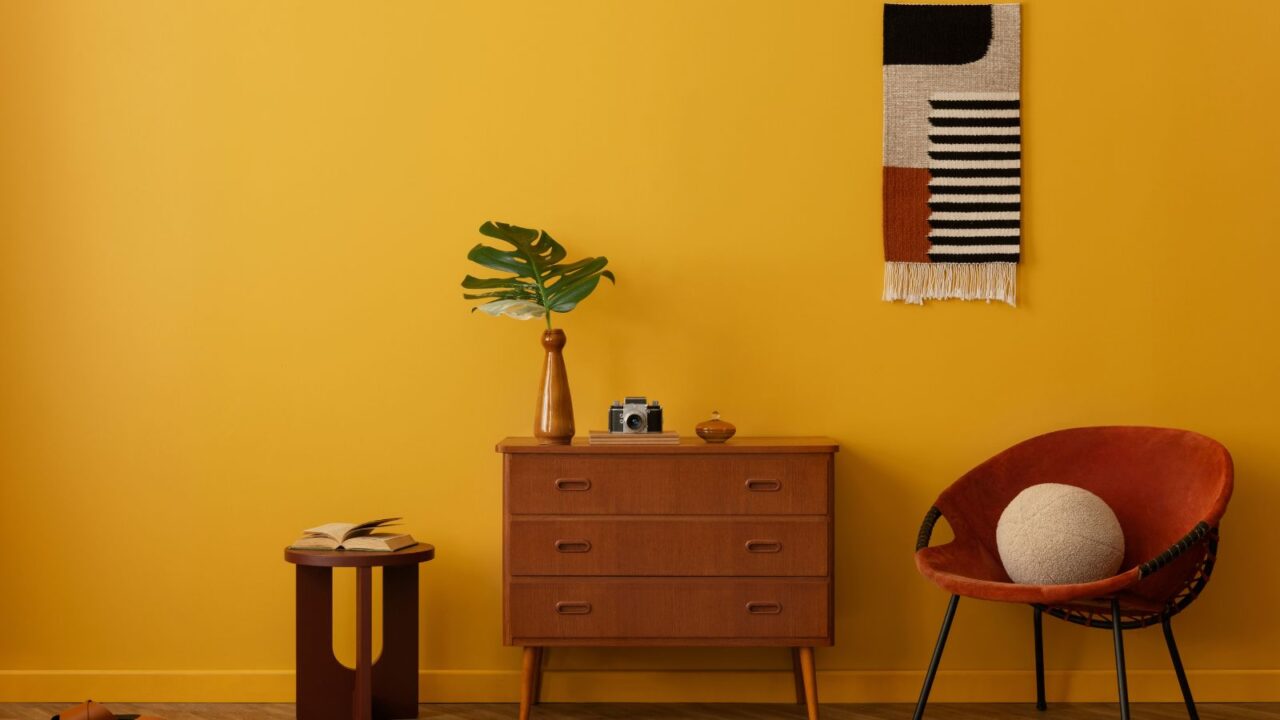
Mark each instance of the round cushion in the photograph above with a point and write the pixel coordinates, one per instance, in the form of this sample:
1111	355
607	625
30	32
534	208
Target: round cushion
1053	534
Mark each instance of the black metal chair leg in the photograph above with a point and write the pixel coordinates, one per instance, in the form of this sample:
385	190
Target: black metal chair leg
1039	616
937	656
1177	667
1121	682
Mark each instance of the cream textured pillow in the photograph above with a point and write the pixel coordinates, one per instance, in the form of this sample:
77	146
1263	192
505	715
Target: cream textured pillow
1052	534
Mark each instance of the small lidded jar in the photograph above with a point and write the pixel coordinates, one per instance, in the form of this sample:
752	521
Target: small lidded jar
715	430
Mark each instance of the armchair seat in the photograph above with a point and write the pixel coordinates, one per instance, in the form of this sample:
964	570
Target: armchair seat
972	572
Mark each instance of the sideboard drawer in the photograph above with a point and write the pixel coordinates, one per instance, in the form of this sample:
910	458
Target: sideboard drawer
655	609
676	546
759	484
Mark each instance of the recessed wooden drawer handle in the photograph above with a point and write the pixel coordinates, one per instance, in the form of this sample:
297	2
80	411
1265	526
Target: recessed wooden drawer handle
573	484
763	485
573	608
573	546
764	608
764	546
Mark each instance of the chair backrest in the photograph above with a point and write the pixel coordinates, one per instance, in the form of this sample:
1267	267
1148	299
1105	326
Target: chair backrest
1160	482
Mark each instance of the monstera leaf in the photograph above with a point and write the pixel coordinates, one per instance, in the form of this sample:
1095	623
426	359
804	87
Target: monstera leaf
540	283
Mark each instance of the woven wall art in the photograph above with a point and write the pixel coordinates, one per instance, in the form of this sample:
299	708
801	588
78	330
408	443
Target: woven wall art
952	152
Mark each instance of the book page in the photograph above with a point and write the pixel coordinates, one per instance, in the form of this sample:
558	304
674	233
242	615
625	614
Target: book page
337	531
315	542
367	527
380	541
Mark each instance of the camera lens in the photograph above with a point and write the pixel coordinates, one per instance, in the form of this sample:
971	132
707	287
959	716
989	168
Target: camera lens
634	421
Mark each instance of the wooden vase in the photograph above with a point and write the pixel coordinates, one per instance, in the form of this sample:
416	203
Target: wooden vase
553	417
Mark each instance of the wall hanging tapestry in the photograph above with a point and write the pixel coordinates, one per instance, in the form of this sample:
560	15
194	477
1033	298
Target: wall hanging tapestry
952	152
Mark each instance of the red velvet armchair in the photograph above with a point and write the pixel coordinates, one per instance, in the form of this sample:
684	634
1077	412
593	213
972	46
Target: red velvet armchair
1169	489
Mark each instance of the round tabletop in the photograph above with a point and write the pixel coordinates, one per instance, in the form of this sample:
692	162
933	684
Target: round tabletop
411	555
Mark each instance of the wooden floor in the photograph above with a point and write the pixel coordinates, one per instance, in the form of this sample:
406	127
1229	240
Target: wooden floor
719	711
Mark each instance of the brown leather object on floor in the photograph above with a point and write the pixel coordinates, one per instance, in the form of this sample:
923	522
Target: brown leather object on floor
90	710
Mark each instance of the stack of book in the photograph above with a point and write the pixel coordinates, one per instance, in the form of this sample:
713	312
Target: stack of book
600	437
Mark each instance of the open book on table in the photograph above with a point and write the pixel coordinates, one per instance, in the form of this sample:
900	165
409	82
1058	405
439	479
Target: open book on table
354	536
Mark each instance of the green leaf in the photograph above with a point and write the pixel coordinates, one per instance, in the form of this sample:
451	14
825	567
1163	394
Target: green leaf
502	294
546	246
569	297
582	268
495	259
536	249
564	285
562	268
513	234
474	283
573	287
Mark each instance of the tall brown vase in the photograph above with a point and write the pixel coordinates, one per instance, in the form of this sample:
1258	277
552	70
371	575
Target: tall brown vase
553	418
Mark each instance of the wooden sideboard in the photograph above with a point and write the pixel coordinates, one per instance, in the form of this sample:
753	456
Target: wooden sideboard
667	545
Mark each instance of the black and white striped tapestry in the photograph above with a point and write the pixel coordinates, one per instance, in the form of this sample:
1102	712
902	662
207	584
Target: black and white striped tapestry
975	158
952	152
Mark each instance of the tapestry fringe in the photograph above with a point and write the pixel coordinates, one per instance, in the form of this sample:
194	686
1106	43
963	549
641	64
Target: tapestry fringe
913	282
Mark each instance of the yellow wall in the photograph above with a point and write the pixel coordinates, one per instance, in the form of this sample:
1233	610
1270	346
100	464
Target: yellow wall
232	237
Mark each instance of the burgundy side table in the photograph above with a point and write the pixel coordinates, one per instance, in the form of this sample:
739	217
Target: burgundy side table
328	690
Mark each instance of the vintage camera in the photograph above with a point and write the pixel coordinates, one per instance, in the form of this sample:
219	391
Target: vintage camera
635	415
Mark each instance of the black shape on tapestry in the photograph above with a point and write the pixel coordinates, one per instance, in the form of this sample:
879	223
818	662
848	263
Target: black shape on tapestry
936	34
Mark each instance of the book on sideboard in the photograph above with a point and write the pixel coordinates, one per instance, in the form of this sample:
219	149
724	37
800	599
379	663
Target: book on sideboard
603	437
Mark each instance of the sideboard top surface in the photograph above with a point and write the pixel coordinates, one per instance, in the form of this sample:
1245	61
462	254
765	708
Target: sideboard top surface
687	446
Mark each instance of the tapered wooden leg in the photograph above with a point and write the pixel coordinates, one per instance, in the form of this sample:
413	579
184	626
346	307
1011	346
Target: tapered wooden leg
810	682
528	681
362	698
538	662
799	676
